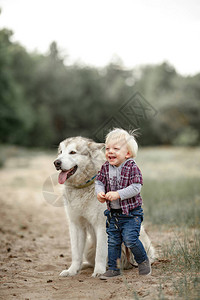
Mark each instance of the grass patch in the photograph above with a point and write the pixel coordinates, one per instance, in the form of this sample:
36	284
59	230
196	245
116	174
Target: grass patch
175	202
188	287
184	267
184	253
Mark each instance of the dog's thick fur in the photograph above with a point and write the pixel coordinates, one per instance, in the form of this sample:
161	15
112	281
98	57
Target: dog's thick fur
85	213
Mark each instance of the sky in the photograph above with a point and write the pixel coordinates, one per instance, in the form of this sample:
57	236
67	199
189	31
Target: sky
97	32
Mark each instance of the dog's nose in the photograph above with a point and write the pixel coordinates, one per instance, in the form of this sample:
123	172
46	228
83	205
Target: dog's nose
57	163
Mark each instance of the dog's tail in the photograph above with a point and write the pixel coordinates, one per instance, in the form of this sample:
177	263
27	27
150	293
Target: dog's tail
127	258
150	250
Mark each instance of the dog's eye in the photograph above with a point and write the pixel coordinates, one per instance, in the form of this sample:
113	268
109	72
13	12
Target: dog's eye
72	152
60	152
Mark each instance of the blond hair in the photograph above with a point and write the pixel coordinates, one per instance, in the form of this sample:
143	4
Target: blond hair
128	138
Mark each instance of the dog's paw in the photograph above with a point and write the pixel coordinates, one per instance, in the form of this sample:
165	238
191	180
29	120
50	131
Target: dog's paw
98	272
68	272
64	273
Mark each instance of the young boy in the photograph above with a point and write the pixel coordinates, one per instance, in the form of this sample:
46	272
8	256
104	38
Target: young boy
119	183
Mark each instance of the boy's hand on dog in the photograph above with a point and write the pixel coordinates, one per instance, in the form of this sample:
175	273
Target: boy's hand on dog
111	196
101	197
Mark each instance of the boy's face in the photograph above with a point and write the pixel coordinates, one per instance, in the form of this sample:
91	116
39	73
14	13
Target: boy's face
116	152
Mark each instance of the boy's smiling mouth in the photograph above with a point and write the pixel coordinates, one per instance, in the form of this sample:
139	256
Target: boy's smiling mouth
111	157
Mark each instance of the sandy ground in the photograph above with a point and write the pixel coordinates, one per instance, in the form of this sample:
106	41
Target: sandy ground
35	245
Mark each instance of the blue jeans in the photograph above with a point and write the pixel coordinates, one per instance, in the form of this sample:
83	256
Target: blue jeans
124	228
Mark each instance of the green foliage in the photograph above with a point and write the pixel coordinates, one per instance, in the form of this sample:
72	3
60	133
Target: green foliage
42	100
15	112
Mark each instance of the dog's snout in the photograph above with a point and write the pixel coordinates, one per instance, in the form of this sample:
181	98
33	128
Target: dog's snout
57	163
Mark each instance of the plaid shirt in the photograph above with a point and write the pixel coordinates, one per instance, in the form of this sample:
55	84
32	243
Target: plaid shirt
130	174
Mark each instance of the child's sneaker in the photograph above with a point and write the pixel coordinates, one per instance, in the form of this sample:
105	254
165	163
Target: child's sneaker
109	274
145	268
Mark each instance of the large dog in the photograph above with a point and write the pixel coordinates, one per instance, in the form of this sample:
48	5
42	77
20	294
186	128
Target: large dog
79	160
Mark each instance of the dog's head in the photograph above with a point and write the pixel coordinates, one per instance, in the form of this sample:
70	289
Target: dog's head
78	159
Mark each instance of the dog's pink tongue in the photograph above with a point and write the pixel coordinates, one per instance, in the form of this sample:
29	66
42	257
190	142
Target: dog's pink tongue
62	177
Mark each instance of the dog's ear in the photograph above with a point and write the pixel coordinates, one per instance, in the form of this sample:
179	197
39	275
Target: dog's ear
59	149
95	146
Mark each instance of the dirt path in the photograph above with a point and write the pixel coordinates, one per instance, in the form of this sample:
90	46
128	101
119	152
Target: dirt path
35	245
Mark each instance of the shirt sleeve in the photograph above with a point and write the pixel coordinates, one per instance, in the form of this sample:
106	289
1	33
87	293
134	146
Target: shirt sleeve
130	191
99	187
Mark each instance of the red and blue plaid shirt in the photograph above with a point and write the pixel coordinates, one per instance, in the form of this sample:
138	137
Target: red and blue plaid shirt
130	174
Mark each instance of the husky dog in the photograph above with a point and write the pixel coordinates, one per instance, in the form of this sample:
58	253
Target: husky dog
79	160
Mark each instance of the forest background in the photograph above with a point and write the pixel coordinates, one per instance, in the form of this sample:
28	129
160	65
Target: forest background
43	99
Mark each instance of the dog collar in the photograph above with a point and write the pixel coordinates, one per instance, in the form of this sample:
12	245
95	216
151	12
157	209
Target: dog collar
88	182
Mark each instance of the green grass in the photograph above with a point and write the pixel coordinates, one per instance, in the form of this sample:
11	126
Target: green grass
184	253
171	190
184	265
188	287
175	202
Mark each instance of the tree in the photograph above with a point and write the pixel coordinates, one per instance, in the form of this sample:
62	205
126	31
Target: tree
43	101
14	112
